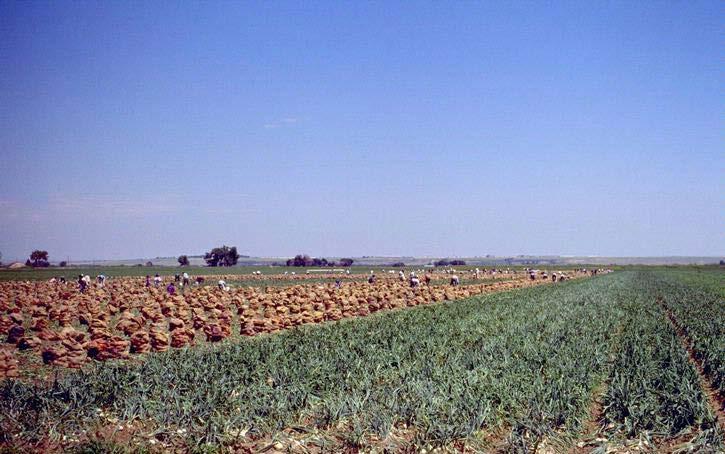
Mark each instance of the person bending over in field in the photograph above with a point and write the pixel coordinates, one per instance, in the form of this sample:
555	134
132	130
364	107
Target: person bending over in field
455	281
157	280
148	281
371	279
82	284
171	289
185	276
199	280
222	285
427	279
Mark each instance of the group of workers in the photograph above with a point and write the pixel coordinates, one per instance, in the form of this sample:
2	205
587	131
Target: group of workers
555	277
413	279
84	282
182	280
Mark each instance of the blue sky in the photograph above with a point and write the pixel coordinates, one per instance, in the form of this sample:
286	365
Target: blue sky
143	129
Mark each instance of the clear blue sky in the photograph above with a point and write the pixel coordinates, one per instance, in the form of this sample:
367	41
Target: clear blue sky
142	129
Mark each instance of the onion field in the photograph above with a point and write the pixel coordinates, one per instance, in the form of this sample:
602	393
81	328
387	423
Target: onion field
588	365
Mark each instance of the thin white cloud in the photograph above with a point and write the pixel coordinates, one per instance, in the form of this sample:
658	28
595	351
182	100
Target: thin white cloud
121	207
281	122
13	210
115	205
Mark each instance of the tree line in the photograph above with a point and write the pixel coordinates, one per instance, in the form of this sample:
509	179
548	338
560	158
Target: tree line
446	262
306	260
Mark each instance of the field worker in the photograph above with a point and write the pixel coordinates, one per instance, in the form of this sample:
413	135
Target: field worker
478	273
553	276
177	278
337	283
401	275
222	285
157	280
62	279
171	289
532	275
347	272
148	281
198	281
81	283
414	281
185	282
371	279
455	281
427	279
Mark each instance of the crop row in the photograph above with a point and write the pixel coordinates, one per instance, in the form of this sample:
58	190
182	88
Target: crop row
700	313
653	389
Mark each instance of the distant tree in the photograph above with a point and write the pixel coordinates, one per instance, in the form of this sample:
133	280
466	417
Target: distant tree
149	263
300	260
63	264
39	259
183	260
346	262
458	262
398	264
722	262
222	256
442	262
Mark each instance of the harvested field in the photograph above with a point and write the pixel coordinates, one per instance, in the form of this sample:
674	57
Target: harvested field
123	317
